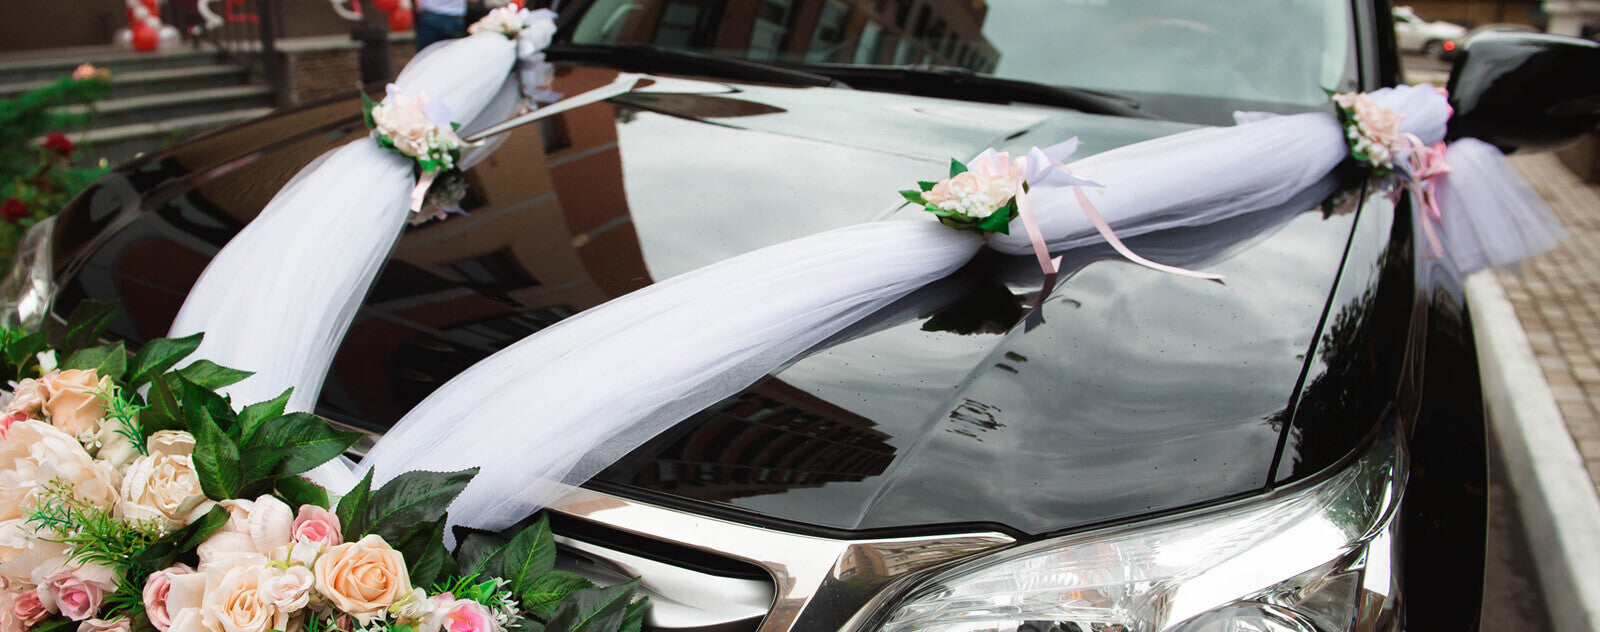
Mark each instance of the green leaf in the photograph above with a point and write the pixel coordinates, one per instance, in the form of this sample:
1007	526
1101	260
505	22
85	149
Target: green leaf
298	491
164	552
479	551
55	624
106	360
633	621
540	597
366	110
593	609
162	410
87	324
411	498
915	197
210	375
428	561
255	414
926	185
352	510
21	351
530	554
216	457
957	167
291	444
158	356
194	399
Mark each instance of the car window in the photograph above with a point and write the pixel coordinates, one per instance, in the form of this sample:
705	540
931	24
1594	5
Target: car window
1265	51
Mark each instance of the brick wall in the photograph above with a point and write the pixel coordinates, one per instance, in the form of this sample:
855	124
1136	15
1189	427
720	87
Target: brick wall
317	69
1471	13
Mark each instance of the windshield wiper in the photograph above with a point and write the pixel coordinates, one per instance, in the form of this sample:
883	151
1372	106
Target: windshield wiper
951	82
652	59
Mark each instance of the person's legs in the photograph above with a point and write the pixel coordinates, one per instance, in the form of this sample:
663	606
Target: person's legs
433	27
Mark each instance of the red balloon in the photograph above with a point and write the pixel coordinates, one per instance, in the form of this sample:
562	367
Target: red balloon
386	6
153	6
400	20
145	39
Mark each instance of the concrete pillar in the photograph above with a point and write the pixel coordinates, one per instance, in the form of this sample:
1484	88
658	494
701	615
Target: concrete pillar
1567	17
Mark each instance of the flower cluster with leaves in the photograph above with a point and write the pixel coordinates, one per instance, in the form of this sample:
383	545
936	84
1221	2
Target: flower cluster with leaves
417	127
981	199
1371	130
41	167
174	511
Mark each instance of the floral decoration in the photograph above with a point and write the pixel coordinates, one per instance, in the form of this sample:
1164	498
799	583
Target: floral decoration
415	127
982	198
1371	130
174	511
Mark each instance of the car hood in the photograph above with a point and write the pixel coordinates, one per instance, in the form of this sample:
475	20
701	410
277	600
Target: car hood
1128	392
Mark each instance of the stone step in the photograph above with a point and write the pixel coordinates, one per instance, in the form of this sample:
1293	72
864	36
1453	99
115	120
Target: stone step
158	107
122	142
48	65
155	81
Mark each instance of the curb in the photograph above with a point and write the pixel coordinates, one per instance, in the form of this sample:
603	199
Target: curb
1555	496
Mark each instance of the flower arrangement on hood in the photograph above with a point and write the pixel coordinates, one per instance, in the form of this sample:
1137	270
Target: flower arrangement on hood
416	127
982	198
173	511
533	30
1371	130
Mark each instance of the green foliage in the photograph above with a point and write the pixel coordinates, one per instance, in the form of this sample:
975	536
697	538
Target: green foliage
997	222
90	532
38	178
593	609
411	498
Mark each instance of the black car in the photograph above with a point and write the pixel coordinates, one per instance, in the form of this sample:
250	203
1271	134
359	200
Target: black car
1301	449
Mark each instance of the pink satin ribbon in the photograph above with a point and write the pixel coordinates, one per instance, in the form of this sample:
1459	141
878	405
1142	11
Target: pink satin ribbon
1101	225
1425	164
419	194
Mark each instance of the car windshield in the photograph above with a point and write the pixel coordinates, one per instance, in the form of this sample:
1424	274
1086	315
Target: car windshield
1277	54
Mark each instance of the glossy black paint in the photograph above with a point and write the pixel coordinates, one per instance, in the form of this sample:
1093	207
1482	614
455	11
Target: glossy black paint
1525	90
1137	394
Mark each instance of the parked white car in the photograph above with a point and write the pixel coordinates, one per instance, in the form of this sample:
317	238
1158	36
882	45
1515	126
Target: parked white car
1430	38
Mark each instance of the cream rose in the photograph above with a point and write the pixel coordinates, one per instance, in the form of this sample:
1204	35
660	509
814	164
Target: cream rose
987	185
234	603
411	131
33	455
362	578
163	487
119	624
75	405
30	395
256	527
503	21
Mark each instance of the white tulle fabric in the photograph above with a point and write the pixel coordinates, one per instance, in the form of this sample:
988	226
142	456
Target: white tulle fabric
1491	217
279	297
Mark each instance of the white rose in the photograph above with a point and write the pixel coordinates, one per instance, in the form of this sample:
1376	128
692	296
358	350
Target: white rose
415	605
162	488
288	590
503	21
298	553
255	528
115	447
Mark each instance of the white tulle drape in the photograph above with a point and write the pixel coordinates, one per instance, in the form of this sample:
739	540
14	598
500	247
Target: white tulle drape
278	298
1491	216
564	403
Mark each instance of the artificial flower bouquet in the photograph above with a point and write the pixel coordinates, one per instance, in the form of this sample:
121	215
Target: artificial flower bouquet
133	496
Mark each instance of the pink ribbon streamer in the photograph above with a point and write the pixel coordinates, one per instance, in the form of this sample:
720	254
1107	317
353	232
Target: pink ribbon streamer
419	194
1425	164
1110	236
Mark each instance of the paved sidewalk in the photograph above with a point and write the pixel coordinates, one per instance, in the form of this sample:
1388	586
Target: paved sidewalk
1557	299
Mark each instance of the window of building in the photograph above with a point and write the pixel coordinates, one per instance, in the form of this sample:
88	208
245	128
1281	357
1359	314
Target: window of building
902	12
827	40
923	16
494	273
688	23
870	47
771	28
903	50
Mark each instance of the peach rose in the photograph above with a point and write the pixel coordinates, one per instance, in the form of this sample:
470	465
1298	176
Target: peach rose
362	578
75	406
256	527
234	604
28	609
988	184
163	487
156	588
317	526
77	589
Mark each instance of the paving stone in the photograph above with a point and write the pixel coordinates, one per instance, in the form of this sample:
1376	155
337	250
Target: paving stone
1557	298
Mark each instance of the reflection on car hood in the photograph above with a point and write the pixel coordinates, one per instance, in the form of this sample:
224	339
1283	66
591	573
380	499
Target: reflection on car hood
1130	392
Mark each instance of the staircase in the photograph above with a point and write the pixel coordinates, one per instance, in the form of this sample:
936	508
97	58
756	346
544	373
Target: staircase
155	99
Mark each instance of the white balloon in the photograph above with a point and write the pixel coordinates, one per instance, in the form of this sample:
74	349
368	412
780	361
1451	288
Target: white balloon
153	22
171	38
140	13
123	39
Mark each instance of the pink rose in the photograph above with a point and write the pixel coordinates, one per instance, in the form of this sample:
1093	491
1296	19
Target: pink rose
76	590
156	588
11	418
459	615
317	526
28	609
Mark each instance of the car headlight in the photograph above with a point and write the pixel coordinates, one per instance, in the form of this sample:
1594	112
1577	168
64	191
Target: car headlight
1314	560
28	288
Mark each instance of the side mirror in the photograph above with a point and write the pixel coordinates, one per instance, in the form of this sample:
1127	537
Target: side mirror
1525	91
